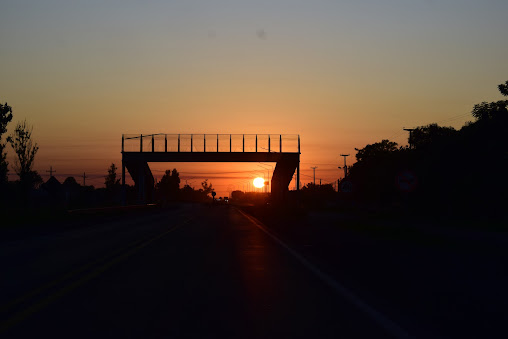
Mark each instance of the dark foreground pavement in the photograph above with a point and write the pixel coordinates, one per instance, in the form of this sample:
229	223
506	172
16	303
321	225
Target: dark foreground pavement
194	272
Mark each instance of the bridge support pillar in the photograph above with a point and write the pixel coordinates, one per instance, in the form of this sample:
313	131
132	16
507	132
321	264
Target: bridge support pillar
282	176
141	186
142	175
298	176
124	189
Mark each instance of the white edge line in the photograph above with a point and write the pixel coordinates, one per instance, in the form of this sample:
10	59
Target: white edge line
379	318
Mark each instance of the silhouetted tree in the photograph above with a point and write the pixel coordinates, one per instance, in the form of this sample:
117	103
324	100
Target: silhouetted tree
375	150
431	135
207	188
440	164
486	138
5	118
70	181
490	110
111	181
25	149
316	195
373	175
503	88
169	186
493	110
187	193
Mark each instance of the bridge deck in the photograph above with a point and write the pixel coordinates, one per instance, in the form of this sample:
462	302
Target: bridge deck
208	156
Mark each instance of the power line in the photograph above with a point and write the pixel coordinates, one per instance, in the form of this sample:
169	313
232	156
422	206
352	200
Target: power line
457	117
396	135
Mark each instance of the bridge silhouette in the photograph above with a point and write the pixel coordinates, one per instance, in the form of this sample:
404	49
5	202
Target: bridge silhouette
140	149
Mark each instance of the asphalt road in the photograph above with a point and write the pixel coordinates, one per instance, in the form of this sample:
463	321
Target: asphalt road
193	272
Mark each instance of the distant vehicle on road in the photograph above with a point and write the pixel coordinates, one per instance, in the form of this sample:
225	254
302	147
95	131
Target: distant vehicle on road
222	200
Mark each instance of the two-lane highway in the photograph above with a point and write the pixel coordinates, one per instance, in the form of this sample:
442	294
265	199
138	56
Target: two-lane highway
195	272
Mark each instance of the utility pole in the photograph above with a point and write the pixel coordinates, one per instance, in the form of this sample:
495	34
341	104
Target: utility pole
345	165
51	170
319	182
314	168
410	130
84	179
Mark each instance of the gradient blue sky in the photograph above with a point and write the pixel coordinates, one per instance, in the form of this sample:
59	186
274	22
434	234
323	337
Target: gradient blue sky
340	73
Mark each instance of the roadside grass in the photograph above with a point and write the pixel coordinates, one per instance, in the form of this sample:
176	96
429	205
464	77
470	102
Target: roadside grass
439	234
407	227
58	218
390	230
14	217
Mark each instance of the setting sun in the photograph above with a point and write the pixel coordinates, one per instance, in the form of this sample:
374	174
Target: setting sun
259	182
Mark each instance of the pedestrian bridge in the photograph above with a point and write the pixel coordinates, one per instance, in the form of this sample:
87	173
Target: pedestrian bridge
140	149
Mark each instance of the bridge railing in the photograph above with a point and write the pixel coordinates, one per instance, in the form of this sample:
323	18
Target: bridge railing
286	143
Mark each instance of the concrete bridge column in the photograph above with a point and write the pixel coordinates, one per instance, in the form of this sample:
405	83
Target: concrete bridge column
124	189
141	185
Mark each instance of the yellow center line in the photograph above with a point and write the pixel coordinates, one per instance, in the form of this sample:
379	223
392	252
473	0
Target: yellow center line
21	315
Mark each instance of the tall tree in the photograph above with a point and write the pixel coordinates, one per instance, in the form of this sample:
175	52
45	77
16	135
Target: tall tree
111	181
5	118
169	186
71	182
207	188
25	149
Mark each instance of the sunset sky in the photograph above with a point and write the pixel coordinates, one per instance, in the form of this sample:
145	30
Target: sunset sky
341	74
